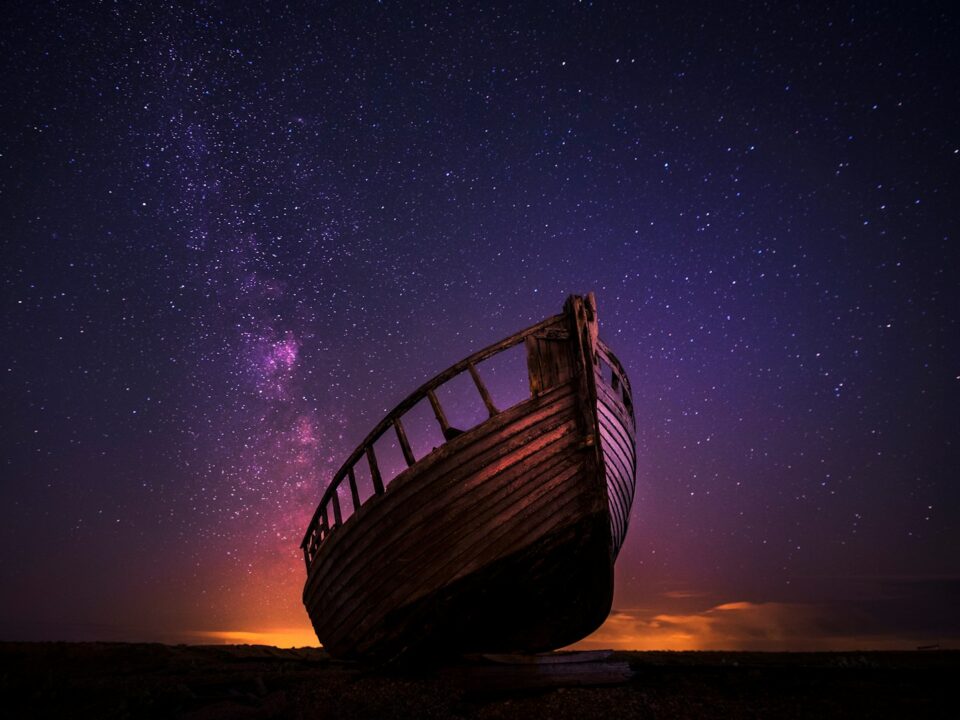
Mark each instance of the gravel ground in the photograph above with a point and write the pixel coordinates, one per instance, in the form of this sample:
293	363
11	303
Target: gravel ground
116	680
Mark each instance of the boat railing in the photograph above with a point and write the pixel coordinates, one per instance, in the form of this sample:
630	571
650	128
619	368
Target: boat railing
329	515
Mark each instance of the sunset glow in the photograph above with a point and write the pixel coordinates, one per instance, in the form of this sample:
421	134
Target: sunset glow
278	637
734	626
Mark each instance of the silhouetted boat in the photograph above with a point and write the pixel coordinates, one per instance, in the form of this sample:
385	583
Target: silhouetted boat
502	539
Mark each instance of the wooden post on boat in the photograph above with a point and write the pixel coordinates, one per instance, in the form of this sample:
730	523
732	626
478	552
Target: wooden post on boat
337	519
404	442
374	471
482	389
445	428
583	319
354	493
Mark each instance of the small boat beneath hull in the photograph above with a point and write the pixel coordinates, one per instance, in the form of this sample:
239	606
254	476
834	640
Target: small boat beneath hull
503	539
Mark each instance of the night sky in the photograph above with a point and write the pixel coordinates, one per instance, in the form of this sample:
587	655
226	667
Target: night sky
234	235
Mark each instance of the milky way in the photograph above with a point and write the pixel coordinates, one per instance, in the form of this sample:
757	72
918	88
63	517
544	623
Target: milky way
235	235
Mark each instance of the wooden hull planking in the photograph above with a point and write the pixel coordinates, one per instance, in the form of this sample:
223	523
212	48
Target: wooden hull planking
501	540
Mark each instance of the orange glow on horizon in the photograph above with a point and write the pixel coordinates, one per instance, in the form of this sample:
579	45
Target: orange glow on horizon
732	626
276	637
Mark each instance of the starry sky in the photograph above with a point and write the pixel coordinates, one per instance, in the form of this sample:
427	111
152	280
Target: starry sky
235	234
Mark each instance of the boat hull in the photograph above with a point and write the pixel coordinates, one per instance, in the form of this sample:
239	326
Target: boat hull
501	540
463	541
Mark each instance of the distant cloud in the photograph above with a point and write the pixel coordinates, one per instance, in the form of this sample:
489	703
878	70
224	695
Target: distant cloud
739	625
683	594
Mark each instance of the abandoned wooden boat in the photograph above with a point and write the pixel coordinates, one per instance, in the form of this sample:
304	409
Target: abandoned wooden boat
503	538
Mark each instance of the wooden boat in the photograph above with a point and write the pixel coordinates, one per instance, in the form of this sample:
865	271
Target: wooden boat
502	539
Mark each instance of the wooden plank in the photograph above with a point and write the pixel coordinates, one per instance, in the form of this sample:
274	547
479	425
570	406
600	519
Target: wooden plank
344	559
615	424
438	413
618	475
612	360
613	448
583	329
337	518
620	464
451	372
619	480
622	474
418	394
466	458
549	361
404	443
354	493
402	569
536	518
622	432
622	510
522	516
618	484
616	411
533	367
411	507
619	509
549	328
374	471
612	398
393	567
482	389
482	445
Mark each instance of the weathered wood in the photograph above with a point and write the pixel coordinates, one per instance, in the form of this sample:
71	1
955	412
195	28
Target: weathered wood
438	413
508	523
354	492
583	334
461	460
626	396
482	389
375	476
464	510
616	423
337	519
417	395
404	443
515	518
504	537
533	366
553	333
501	453
549	360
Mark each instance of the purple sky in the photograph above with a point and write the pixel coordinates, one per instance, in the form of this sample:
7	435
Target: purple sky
235	235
